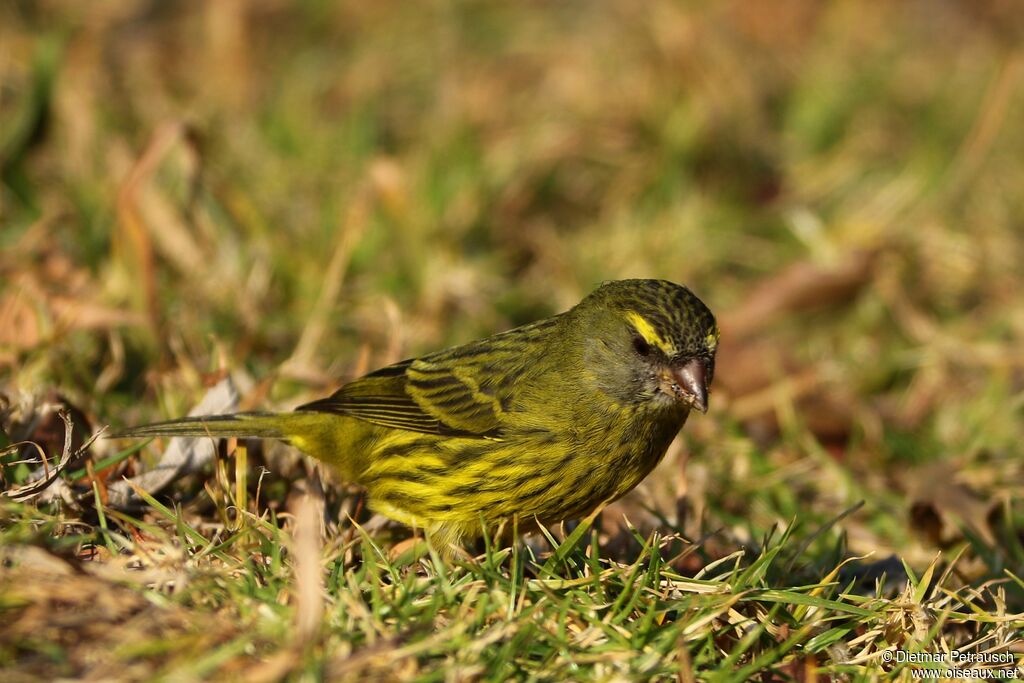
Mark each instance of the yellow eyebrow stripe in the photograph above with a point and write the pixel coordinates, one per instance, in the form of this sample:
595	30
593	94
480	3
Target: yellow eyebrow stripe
646	330
712	339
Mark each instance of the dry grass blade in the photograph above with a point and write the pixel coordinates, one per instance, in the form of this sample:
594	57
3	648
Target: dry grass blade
301	362
309	584
136	234
49	474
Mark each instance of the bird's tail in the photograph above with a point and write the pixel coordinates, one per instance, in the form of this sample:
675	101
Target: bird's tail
316	434
257	425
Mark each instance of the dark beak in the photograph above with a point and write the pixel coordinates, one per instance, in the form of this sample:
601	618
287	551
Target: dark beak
691	380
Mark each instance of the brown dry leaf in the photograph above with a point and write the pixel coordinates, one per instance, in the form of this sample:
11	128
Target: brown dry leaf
49	295
745	368
31	315
801	287
941	505
43	479
754	370
20	324
42	421
786	25
79	314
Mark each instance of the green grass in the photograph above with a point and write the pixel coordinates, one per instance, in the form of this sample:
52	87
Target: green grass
506	614
294	194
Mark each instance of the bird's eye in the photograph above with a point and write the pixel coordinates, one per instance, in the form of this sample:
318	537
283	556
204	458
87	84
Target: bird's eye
641	346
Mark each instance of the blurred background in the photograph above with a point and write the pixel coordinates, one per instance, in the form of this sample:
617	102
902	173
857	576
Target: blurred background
299	192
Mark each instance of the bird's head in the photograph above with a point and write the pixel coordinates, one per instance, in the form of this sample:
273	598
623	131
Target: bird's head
648	342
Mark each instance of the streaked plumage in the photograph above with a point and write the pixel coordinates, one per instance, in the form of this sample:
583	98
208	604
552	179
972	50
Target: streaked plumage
547	420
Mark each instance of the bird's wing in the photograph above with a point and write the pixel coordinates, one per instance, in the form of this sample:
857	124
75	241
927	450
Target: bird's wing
462	391
381	398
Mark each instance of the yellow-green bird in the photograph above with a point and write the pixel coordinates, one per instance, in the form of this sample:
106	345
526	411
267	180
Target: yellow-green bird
545	421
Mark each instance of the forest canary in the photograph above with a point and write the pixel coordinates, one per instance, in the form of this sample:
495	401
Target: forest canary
545	421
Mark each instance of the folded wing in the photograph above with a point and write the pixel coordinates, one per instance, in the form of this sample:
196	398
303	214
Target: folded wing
463	391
